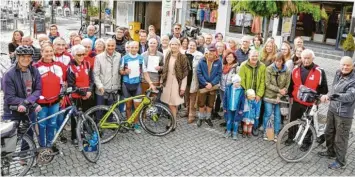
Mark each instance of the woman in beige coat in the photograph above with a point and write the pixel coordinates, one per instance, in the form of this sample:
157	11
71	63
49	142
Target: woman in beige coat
174	77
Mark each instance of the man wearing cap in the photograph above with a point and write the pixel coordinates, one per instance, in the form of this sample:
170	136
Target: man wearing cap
209	72
311	76
243	52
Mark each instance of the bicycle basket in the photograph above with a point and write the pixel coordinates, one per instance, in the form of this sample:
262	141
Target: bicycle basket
284	108
306	94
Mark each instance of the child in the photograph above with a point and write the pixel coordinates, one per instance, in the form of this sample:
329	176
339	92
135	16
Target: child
233	105
251	112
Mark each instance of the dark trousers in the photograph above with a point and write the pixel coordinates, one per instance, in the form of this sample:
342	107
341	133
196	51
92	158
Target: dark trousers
84	105
337	136
297	111
100	100
217	104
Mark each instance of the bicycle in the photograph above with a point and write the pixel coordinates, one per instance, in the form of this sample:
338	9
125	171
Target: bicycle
302	125
13	157
151	115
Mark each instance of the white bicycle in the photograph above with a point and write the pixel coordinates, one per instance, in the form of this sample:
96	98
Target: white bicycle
295	152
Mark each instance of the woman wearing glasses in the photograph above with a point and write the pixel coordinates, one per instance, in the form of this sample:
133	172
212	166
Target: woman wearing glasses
80	78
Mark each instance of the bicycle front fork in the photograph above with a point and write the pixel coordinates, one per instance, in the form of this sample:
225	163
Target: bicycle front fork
300	133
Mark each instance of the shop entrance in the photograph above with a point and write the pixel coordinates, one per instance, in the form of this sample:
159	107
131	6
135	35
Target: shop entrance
148	13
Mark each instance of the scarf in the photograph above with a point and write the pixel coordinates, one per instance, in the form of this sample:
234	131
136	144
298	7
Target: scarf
181	68
227	68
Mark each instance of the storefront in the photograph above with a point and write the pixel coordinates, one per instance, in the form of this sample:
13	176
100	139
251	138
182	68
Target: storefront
203	14
331	30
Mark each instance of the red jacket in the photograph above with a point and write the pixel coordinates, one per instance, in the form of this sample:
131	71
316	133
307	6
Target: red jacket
80	76
52	77
313	80
91	59
64	58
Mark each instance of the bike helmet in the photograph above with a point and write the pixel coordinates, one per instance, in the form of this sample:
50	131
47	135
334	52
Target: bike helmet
306	94
24	50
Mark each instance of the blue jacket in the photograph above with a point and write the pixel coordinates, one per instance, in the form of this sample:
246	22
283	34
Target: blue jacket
93	39
203	76
238	98
241	56
15	89
251	109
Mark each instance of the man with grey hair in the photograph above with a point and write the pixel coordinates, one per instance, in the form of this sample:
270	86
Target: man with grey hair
91	35
243	52
80	78
27	40
340	118
106	74
60	53
152	77
308	76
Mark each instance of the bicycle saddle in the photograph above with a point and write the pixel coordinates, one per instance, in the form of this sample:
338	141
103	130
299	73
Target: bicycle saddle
8	128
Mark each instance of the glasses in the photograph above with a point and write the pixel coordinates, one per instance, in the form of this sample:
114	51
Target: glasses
177	28
80	55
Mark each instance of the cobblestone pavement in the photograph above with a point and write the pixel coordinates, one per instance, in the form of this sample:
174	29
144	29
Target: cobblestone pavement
194	151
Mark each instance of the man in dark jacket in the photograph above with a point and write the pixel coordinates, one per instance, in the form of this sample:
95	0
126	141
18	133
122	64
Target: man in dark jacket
120	41
209	72
243	52
307	75
37	52
340	113
143	42
22	86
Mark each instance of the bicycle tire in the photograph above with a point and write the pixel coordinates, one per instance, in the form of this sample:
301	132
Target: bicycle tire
80	132
29	164
284	131
167	129
116	116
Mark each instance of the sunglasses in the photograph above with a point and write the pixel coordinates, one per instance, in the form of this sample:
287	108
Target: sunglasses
80	55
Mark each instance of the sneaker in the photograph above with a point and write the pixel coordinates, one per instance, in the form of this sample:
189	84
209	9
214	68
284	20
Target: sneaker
255	132
326	154
209	122
199	122
275	138
336	165
227	135
234	137
265	137
137	129
288	142
74	142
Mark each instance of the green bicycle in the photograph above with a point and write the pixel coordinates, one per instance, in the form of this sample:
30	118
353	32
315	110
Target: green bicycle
154	117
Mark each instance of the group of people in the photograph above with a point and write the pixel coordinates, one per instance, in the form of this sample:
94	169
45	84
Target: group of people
245	81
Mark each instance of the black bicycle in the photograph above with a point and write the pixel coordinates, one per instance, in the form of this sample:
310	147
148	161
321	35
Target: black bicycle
19	149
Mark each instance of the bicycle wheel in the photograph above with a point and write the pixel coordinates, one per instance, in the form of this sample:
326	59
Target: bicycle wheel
88	139
18	163
157	119
96	113
294	152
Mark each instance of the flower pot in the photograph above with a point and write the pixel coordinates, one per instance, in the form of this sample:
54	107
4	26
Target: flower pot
349	53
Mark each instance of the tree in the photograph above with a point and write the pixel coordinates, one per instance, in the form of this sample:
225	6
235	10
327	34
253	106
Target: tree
269	8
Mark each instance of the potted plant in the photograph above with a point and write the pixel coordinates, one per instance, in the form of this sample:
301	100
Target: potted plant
349	46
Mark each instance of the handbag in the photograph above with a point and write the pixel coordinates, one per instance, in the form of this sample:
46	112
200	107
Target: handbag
270	130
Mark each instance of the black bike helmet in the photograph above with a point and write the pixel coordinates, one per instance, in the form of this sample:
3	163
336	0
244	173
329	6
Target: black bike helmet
306	94
24	50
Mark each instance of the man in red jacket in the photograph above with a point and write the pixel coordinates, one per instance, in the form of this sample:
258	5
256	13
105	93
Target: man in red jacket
307	75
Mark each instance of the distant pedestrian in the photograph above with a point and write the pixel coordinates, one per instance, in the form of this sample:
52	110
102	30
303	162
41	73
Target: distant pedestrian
91	35
15	42
53	32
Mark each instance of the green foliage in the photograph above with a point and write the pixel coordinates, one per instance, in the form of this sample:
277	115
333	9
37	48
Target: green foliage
287	8
93	11
349	44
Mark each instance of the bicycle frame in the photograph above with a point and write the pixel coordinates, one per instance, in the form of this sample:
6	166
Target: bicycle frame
131	119
72	110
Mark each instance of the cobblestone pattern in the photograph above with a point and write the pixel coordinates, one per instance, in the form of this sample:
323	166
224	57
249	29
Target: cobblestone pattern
192	151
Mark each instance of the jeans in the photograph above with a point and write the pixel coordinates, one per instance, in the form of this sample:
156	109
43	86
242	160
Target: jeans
48	127
60	118
269	109
256	123
233	119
